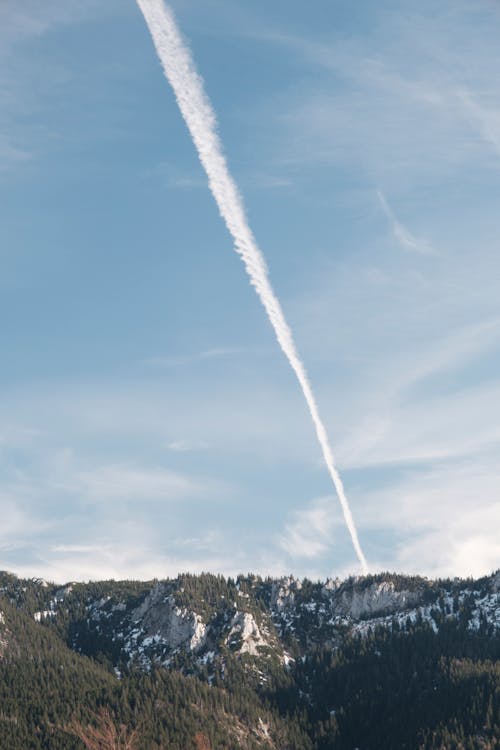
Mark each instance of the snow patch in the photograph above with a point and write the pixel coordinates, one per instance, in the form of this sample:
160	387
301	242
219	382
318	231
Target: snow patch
243	626
39	616
176	627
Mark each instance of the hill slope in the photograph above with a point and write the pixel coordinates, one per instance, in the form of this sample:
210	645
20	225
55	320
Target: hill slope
381	661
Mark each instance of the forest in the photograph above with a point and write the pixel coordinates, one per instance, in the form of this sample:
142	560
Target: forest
413	685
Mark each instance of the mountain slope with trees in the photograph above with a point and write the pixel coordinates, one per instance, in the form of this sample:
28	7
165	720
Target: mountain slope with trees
382	661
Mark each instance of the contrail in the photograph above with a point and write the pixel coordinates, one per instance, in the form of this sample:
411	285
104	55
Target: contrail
201	121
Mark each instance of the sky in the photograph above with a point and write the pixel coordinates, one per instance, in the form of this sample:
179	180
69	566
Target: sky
149	423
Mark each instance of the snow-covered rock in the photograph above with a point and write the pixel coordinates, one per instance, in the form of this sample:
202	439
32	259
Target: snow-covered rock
39	616
495	583
282	614
331	584
283	593
41	582
376	599
159	616
244	627
3	635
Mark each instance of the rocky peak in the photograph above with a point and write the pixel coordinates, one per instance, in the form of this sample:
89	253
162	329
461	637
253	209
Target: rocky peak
283	592
495	582
159	617
377	598
331	584
245	628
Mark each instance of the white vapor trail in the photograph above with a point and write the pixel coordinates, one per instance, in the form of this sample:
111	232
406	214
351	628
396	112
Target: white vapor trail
200	119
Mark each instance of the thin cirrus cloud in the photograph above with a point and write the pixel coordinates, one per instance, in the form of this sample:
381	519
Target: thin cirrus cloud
371	108
20	25
423	386
453	427
308	532
402	234
485	118
448	514
19	22
187	446
66	518
214	353
119	482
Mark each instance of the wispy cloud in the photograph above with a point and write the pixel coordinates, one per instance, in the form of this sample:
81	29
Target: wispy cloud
411	388
119	482
172	177
193	358
308	533
19	22
24	79
449	516
402	234
399	123
75	518
187	446
265	181
450	351
485	119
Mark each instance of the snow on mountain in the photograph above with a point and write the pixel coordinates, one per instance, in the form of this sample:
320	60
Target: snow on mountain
3	635
495	583
160	618
283	593
246	633
372	601
193	621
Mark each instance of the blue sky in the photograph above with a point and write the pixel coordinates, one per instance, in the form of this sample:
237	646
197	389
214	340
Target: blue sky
148	421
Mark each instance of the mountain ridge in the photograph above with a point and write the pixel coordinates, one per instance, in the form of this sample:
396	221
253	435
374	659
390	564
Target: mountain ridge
294	663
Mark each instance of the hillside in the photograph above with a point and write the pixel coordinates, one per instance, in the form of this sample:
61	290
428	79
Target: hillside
384	661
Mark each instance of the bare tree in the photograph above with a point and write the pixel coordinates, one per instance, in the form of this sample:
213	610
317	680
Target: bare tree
104	734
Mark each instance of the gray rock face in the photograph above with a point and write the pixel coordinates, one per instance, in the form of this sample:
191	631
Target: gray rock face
259	618
283	593
243	625
331	584
159	616
376	599
3	635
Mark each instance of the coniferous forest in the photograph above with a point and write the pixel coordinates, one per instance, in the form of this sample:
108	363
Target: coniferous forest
424	676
